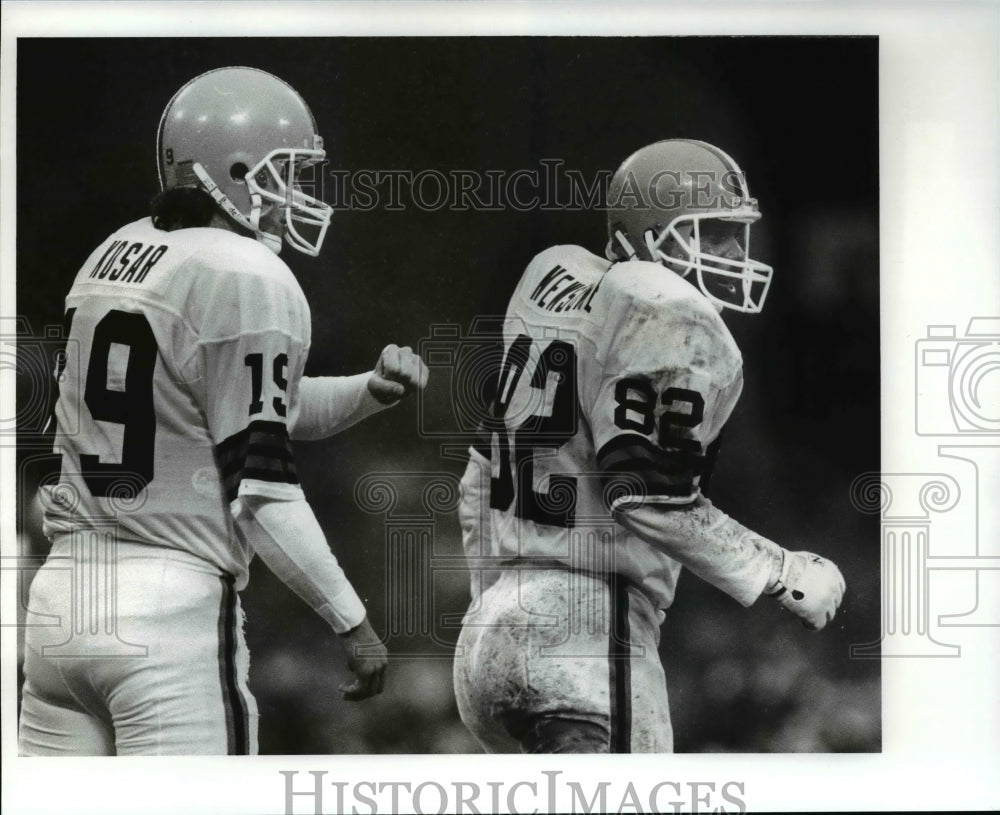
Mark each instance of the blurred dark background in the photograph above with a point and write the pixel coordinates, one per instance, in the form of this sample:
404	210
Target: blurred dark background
800	115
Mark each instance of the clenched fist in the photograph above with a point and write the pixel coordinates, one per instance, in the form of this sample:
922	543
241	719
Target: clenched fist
398	372
810	587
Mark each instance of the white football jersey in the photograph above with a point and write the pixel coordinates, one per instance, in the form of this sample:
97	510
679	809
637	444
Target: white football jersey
191	345
616	381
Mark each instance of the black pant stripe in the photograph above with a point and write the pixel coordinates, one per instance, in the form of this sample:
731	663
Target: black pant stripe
620	668
237	720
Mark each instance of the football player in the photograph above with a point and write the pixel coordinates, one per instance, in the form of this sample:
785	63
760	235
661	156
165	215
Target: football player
585	500
188	389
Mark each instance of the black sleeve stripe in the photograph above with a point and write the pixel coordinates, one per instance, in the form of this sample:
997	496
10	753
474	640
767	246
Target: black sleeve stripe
261	451
634	468
263	433
629	452
270	475
616	489
270	465
259	427
684	465
263	455
279	449
711	457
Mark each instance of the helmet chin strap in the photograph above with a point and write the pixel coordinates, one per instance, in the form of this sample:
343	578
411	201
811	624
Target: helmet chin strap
272	242
684	267
619	236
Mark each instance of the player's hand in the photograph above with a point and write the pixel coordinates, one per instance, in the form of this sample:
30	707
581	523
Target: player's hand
810	587
398	372
368	660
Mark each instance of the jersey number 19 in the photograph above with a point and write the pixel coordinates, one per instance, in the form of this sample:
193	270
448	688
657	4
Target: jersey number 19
128	403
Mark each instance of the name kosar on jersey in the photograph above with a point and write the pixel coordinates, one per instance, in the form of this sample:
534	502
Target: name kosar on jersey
192	344
616	380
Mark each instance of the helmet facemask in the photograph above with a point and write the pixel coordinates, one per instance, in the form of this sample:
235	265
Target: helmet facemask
305	217
266	182
738	283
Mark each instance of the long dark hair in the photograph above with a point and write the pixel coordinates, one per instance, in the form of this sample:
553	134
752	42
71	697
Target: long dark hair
182	208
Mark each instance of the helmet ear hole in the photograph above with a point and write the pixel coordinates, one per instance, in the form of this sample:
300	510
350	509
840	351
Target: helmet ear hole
238	172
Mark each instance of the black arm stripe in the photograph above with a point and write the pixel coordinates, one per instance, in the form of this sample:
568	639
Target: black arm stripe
630	451
711	457
661	473
616	489
684	465
262	451
279	455
259	432
271	475
271	465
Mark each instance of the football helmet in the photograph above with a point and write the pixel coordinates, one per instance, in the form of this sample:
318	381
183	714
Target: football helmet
247	138
657	202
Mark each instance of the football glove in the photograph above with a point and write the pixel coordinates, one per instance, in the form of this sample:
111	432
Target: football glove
810	587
